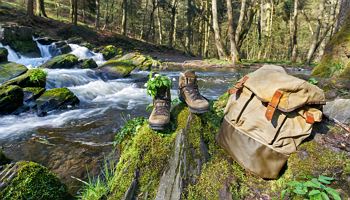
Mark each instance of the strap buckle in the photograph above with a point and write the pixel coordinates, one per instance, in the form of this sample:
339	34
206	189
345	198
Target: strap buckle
239	86
272	106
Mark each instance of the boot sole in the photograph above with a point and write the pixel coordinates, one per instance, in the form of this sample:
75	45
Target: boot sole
193	110
158	127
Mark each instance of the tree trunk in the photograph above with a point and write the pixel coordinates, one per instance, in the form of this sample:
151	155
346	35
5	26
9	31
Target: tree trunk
97	19
316	34
240	20
188	40
40	7
75	21
231	33
172	32
336	59
343	13
159	26
294	36
219	45
125	16
30	8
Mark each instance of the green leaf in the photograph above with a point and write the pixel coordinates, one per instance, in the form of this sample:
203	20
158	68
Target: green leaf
333	193
283	193
311	184
294	183
324	196
325	178
299	191
313	81
314	192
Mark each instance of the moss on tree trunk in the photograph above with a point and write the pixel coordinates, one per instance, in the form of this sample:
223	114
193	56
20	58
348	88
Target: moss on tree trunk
336	59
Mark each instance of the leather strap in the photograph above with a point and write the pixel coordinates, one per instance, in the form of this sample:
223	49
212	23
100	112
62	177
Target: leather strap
309	118
272	106
239	86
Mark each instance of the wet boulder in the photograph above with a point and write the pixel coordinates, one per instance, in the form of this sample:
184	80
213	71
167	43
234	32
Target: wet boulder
29	180
10	70
88	64
65	61
111	51
20	39
63	47
339	110
58	98
32	78
32	93
11	98
45	40
141	61
3	54
116	69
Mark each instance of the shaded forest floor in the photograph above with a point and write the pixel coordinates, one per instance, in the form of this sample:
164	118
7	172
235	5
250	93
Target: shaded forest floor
13	14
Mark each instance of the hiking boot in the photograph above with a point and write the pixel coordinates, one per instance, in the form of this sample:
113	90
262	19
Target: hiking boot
189	93
160	115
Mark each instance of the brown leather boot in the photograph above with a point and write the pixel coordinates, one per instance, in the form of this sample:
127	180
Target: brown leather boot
189	93
160	115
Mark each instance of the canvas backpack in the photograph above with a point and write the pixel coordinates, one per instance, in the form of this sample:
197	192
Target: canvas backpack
268	115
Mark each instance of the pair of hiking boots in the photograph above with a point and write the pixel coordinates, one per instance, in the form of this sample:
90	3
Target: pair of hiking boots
188	93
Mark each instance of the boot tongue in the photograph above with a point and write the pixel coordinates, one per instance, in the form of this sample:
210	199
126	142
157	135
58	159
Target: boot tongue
190	77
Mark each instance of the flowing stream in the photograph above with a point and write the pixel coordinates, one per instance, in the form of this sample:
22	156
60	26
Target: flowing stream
74	141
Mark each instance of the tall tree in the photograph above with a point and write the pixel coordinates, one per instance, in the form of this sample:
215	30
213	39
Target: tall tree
294	32
173	22
231	33
336	61
30	8
218	42
125	16
343	11
75	12
40	8
97	18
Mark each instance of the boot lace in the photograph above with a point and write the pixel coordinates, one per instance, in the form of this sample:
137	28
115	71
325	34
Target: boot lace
161	107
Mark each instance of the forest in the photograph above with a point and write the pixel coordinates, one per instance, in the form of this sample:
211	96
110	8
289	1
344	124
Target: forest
174	99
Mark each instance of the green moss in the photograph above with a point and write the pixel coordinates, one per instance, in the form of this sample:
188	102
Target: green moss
10	70
110	51
32	78
25	47
335	61
34	181
11	98
65	61
116	68
88	64
36	91
58	93
3	54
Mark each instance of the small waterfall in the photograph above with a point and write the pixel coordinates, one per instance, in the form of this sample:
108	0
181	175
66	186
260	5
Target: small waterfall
84	53
47	51
57	78
13	56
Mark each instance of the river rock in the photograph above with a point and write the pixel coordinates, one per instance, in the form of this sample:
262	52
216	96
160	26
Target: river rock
10	70
88	64
111	51
63	47
338	109
65	61
20	39
32	78
46	40
116	69
32	93
58	98
3	54
141	61
11	98
29	180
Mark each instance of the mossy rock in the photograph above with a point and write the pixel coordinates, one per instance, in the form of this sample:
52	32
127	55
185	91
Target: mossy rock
33	181
3	158
116	69
88	64
20	39
10	70
3	54
65	61
11	98
141	61
111	51
32	93
32	78
58	98
336	59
